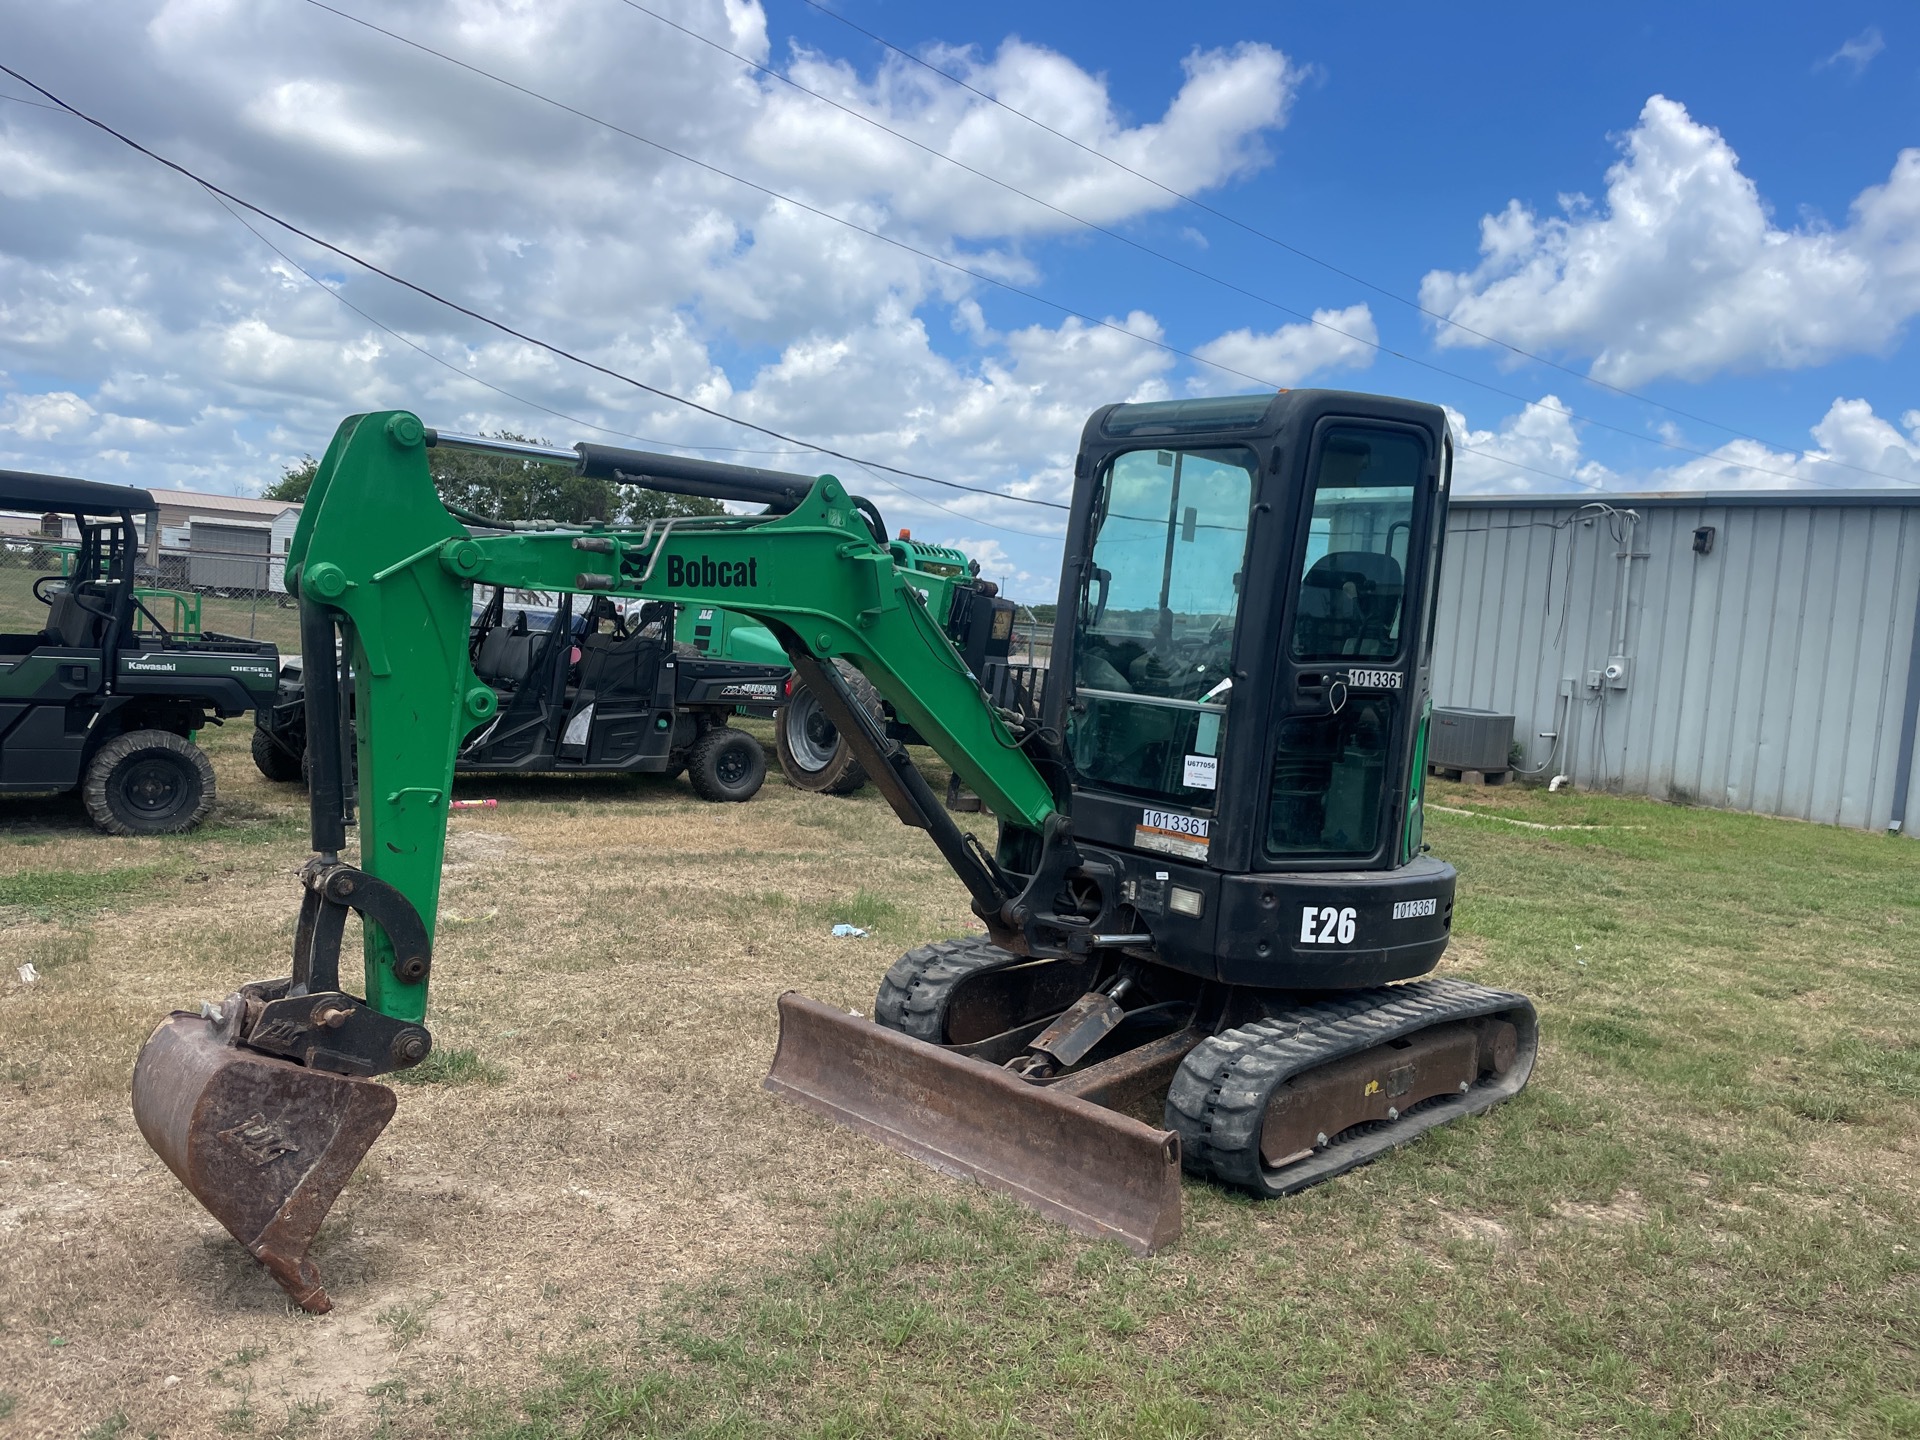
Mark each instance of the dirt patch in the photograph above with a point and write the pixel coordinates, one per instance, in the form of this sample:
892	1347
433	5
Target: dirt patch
1624	1209
616	961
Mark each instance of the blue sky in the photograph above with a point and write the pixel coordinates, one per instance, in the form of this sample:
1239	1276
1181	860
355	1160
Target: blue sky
1747	249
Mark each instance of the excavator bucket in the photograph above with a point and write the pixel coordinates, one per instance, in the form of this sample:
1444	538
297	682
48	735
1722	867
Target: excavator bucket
264	1144
1095	1170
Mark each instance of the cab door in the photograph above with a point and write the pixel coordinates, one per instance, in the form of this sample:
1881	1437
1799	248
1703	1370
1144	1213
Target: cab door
1351	677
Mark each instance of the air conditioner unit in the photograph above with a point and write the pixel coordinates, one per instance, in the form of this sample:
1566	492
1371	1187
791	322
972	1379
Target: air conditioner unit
1463	739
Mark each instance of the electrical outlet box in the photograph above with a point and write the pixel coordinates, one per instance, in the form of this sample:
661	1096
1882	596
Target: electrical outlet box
1616	673
1594	678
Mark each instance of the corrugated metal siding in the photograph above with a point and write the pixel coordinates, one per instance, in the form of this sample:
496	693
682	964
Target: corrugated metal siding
1769	675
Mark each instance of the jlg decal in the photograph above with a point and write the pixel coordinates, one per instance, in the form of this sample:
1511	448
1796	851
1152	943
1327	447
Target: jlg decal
1325	925
702	572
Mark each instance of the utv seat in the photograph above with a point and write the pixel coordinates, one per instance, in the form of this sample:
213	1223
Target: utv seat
72	624
506	654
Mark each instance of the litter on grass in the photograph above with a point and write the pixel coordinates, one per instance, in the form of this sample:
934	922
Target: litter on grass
1524	824
849	932
28	974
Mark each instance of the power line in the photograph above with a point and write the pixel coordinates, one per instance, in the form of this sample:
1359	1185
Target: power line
34	103
1295	250
871	466
531	404
467	375
502	326
1038	299
785	199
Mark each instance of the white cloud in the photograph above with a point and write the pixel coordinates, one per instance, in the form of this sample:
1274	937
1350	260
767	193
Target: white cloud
1539	449
1857	52
1334	340
57	415
1851	439
197	357
1681	272
1208	135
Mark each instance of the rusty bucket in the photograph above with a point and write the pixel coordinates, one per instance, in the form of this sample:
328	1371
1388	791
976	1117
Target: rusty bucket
264	1144
1095	1170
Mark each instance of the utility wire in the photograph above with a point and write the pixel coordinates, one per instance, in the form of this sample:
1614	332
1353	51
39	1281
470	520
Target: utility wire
1038	299
870	466
502	326
561	414
18	100
1295	250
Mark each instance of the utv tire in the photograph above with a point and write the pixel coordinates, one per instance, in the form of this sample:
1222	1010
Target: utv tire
149	782
813	754
274	761
726	764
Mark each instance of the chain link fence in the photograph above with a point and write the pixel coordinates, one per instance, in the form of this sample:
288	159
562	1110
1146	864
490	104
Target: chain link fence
183	590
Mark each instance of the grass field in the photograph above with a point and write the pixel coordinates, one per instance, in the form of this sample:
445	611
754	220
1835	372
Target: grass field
1703	1217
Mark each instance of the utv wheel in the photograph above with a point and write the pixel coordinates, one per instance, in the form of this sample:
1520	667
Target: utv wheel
275	761
812	751
726	764
149	782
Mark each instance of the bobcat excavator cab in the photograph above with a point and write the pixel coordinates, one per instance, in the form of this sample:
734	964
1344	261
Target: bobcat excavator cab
1208	906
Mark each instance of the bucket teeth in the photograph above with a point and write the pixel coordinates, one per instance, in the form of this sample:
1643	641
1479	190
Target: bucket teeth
264	1144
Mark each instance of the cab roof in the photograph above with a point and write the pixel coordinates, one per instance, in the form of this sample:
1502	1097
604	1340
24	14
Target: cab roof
24	490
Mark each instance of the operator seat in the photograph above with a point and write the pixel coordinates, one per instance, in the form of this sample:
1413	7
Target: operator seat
1349	605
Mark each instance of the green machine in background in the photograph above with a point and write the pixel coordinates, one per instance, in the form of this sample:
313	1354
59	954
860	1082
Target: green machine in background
813	753
1208	906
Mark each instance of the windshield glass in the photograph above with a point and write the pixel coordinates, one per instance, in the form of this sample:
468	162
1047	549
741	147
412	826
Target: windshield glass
1154	637
1351	584
1331	769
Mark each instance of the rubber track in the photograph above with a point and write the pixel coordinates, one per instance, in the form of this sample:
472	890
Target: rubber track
1218	1099
913	996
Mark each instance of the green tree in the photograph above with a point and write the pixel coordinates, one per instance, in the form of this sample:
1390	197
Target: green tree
501	487
294	481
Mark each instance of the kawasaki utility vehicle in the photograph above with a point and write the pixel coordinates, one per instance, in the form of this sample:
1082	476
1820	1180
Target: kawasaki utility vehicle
101	696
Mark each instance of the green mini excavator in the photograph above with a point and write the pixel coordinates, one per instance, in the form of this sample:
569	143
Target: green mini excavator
1208	908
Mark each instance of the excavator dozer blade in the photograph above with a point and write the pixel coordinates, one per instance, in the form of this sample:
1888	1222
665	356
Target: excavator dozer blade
1095	1170
264	1144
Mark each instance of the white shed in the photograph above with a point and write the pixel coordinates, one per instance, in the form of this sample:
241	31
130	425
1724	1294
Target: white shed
282	541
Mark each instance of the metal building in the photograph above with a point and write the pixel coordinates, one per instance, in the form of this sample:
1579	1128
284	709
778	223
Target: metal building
1757	651
231	555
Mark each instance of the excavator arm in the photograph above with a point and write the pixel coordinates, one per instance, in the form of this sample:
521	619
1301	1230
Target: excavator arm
264	1104
379	556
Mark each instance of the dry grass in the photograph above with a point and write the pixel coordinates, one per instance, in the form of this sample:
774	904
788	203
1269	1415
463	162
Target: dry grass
1699	1219
612	949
